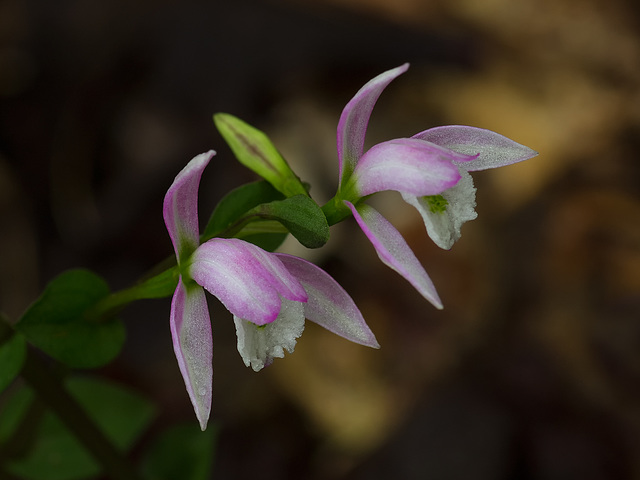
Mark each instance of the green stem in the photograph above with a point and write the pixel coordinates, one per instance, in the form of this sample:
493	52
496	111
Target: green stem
335	211
159	286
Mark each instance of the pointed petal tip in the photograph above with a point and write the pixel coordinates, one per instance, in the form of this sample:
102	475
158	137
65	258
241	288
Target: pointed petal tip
197	163
203	422
373	344
402	68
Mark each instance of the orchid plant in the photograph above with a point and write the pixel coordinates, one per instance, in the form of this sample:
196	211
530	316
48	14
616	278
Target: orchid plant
269	293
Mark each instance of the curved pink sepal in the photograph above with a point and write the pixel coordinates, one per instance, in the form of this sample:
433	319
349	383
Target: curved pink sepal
492	149
394	251
354	119
193	346
180	209
329	305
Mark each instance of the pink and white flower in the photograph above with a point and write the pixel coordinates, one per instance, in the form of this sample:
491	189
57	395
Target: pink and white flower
430	170
269	295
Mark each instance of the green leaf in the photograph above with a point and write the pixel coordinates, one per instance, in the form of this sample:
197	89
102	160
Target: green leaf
56	322
266	241
301	216
233	206
248	212
57	455
181	453
13	351
230	218
255	151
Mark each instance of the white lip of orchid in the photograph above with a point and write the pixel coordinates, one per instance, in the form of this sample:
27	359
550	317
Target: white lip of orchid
444	221
259	345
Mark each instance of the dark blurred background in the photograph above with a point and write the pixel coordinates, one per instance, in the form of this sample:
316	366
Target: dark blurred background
532	371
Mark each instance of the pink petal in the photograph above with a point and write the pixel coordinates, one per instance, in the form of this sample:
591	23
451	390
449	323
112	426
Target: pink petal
246	279
180	209
352	126
493	150
393	250
193	346
408	166
329	305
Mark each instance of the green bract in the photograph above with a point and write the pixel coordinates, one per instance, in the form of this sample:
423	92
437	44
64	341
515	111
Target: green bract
249	212
230	218
301	216
255	151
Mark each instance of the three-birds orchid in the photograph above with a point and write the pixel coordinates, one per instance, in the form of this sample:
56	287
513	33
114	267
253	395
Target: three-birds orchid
271	294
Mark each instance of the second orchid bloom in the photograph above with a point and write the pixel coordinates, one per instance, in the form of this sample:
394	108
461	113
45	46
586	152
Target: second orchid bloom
430	170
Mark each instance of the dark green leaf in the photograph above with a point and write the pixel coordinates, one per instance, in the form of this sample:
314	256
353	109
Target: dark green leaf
266	241
231	216
254	150
301	216
181	453
57	455
56	322
236	204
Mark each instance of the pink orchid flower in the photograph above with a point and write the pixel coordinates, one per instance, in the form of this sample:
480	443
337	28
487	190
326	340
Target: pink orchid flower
430	170
269	295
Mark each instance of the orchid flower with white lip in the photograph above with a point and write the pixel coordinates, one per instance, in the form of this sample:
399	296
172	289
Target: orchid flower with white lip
430	170
268	294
